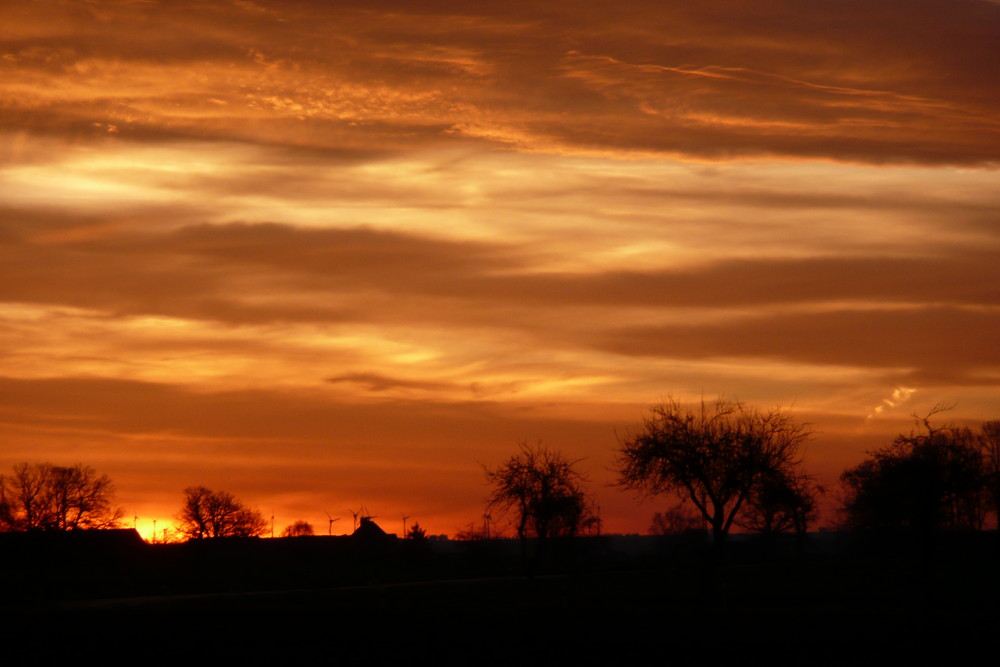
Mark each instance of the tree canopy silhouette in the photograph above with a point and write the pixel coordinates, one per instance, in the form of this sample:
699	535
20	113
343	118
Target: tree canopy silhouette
677	520
542	490
46	497
782	501
416	533
208	513
300	528
719	457
935	478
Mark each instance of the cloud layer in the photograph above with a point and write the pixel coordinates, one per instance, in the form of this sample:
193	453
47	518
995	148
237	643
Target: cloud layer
323	251
873	82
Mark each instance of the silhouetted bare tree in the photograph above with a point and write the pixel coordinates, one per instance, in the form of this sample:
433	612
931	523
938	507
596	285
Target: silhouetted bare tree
298	529
714	456
208	513
6	510
43	496
542	490
990	448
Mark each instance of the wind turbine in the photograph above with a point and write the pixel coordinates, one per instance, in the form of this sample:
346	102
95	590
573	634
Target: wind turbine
405	517
355	515
329	530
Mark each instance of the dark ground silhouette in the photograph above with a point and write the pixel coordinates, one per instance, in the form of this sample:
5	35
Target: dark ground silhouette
607	600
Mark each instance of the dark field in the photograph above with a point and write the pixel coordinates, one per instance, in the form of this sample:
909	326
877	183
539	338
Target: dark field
610	600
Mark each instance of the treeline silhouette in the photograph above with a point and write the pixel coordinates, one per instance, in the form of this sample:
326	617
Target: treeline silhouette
46	497
729	464
620	598
607	598
937	478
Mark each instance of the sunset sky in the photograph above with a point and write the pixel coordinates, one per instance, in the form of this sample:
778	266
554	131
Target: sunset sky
331	254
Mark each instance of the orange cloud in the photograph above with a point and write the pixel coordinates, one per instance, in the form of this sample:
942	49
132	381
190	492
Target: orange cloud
708	83
332	253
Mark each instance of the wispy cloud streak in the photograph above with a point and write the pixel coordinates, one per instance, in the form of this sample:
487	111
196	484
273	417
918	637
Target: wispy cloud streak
899	396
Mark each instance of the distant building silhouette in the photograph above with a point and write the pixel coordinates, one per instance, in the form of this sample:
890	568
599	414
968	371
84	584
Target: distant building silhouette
369	530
